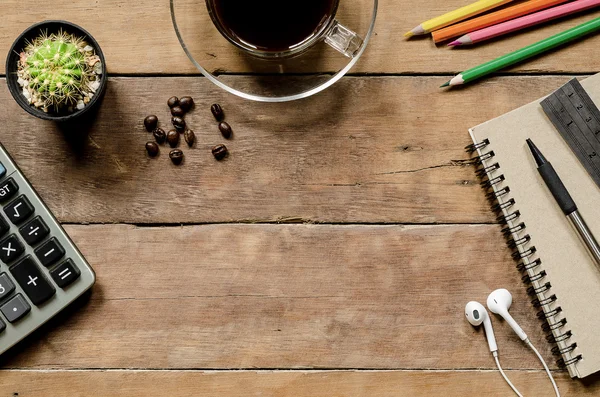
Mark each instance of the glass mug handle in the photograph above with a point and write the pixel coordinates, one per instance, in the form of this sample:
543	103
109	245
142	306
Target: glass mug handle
343	39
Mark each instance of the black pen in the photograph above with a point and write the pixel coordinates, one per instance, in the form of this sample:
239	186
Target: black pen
565	201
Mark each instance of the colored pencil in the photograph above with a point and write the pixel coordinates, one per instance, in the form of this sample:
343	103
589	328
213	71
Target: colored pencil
456	16
494	18
526	53
525	22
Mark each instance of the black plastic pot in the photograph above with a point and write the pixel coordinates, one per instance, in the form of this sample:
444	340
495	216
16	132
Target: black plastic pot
12	66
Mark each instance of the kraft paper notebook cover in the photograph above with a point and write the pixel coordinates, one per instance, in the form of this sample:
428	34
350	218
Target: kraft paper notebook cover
563	274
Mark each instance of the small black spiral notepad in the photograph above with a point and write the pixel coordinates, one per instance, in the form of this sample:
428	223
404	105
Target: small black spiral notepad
564	282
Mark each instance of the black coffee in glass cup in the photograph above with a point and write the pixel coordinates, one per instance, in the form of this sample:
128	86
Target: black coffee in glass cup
282	28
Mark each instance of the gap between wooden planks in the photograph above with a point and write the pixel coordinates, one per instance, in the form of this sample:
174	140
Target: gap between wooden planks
138	38
287	296
354	159
282	383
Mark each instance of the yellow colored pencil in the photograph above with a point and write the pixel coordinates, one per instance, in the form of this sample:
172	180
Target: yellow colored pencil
456	16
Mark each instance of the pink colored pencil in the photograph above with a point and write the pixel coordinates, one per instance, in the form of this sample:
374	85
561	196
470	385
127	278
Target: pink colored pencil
525	22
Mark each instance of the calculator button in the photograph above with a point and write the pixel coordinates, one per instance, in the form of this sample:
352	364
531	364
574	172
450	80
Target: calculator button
15	308
2	325
49	252
8	188
10	249
65	273
19	210
4	226
2	170
6	286
31	280
34	231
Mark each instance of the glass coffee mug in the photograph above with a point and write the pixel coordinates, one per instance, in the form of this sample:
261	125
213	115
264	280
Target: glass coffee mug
276	28
273	50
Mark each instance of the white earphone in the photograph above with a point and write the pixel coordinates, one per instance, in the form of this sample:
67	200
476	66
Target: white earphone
499	302
477	315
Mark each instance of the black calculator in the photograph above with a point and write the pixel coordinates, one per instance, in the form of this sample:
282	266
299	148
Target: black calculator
41	270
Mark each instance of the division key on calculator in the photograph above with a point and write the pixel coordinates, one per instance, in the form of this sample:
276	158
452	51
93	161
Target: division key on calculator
41	270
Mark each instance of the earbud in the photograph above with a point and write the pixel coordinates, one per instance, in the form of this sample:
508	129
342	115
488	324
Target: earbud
499	302
476	315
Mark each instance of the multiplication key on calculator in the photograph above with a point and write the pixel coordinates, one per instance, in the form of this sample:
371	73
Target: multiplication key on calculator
41	270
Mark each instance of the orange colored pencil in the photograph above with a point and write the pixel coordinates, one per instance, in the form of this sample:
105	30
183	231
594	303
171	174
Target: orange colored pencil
493	19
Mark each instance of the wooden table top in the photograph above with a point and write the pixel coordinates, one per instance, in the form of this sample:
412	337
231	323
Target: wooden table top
330	255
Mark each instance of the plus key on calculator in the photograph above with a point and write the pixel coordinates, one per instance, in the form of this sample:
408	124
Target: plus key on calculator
41	270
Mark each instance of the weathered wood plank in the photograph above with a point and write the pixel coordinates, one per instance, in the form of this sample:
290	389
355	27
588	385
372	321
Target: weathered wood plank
283	384
352	158
138	37
287	296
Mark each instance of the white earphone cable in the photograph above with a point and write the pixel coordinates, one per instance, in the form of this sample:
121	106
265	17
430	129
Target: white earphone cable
545	367
504	375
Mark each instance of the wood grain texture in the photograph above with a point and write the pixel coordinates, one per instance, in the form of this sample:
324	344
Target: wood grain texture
227	296
342	156
282	383
287	296
138	37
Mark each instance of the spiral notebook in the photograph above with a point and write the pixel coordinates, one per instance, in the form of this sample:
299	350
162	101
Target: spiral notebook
563	277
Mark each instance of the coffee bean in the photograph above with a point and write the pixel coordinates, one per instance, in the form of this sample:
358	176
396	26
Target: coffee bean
152	149
225	129
173	101
176	156
173	138
190	137
186	103
151	122
220	152
177	111
217	111
178	123
159	135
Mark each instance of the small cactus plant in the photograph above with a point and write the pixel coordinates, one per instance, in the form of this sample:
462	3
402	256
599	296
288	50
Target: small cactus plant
59	73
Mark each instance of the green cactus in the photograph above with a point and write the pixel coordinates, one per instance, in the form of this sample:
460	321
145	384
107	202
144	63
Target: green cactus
59	72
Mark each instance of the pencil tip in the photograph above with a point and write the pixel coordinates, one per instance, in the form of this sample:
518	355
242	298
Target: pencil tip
445	85
454	43
416	31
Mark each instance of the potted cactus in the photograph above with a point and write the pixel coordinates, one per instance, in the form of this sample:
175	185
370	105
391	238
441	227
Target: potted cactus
56	71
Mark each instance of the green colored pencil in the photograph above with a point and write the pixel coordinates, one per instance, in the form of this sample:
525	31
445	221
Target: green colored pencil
525	53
